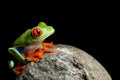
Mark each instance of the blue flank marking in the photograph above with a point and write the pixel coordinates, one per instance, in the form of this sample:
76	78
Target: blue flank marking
19	49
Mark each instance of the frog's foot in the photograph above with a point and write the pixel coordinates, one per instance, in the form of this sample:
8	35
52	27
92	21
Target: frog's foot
18	69
39	53
36	56
44	45
48	45
50	51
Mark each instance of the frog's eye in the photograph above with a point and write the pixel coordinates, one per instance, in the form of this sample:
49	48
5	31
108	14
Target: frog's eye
36	32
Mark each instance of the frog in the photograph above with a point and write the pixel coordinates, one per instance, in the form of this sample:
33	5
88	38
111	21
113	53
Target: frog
30	46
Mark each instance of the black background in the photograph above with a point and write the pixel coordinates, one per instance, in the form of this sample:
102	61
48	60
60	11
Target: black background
92	29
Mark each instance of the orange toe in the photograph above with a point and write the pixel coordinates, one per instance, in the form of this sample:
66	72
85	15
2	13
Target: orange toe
47	44
39	54
17	72
50	51
23	67
18	69
35	59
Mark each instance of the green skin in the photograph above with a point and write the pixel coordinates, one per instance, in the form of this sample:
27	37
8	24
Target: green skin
29	43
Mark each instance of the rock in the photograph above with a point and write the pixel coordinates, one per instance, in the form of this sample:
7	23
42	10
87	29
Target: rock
68	63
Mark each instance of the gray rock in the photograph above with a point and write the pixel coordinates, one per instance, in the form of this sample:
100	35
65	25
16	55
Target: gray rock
68	63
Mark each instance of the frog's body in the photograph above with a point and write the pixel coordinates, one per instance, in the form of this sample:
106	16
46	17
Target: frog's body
29	46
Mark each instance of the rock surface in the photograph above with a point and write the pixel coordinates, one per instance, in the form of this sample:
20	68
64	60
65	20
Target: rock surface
68	63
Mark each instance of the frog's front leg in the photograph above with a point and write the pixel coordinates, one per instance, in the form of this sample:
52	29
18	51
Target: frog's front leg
39	53
36	56
45	45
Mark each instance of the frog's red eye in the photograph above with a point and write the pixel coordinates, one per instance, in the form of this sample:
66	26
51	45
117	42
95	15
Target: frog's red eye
37	32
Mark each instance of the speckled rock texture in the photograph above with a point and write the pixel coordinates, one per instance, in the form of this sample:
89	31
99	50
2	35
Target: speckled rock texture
68	63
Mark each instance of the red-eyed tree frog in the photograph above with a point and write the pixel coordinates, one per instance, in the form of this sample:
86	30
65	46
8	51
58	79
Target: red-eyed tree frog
30	47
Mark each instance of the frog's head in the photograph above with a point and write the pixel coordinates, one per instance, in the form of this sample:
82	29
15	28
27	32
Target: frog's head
36	34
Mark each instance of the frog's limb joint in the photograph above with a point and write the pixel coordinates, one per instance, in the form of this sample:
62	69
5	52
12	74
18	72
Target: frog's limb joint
18	69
